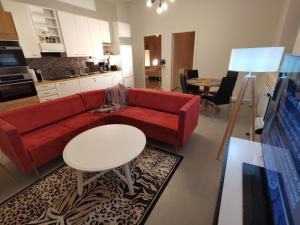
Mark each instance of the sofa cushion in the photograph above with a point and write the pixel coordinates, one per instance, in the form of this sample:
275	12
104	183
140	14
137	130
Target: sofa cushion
32	117
155	124
161	100
83	121
131	95
92	99
46	143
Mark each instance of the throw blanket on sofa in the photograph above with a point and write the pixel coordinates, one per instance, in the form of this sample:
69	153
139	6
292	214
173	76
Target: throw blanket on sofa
115	98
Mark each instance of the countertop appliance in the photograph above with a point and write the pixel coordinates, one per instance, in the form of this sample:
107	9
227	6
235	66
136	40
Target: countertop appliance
15	80
11	55
16	86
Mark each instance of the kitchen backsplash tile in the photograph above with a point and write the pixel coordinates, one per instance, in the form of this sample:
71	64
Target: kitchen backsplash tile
52	67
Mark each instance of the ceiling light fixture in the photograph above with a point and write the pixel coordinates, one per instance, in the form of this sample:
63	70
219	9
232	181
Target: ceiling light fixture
162	5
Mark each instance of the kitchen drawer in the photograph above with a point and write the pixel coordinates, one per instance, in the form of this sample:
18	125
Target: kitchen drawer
44	87
47	93
45	99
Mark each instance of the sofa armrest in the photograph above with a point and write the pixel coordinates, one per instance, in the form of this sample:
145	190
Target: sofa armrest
188	120
12	146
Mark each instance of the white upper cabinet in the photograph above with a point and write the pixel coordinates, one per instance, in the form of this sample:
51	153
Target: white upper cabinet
24	26
96	38
124	30
76	34
105	31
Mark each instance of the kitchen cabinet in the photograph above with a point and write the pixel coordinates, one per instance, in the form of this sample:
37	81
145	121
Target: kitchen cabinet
7	27
104	81
24	26
124	30
76	34
129	81
69	87
89	84
105	31
96	38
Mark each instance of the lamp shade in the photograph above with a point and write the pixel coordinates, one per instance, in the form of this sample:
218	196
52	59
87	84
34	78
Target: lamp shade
291	64
256	59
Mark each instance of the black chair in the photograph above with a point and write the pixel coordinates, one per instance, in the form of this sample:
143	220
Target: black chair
192	74
223	95
229	74
232	74
183	84
185	88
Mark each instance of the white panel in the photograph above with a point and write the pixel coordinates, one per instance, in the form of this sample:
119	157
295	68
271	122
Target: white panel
67	24
296	49
69	87
126	60
105	31
96	38
256	59
124	30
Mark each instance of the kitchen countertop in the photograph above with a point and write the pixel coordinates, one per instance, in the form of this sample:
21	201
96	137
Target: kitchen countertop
78	77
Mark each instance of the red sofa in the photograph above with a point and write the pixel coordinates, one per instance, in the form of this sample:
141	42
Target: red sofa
36	134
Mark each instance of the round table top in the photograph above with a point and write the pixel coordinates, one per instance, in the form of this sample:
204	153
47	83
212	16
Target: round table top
105	147
204	82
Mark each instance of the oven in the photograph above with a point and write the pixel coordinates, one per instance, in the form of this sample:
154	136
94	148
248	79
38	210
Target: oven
11	55
16	87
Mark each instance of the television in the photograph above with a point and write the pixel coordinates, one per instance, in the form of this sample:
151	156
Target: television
281	145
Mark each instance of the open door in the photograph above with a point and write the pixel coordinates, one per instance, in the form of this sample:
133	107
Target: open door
182	55
152	47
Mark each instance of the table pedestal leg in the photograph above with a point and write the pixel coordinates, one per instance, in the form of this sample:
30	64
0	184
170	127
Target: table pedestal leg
79	182
128	178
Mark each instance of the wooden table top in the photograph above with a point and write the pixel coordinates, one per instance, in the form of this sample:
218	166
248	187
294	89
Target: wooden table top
204	82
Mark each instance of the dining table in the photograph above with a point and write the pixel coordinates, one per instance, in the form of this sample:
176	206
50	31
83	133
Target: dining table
206	83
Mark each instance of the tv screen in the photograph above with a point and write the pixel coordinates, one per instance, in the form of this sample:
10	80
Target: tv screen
281	144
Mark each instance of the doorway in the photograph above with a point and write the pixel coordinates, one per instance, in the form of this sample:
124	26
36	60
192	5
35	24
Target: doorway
182	56
152	47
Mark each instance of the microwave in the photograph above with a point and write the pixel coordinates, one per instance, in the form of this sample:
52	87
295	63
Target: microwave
11	55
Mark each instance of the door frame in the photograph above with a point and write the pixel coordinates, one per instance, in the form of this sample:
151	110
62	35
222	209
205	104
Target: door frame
172	51
162	54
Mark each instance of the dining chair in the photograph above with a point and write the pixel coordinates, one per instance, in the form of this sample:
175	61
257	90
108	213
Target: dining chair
232	73
229	74
183	83
185	87
192	74
223	95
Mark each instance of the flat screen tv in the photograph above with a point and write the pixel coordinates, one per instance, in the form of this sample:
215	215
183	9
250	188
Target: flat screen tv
281	145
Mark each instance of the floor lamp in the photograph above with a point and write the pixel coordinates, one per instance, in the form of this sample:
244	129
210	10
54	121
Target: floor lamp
250	60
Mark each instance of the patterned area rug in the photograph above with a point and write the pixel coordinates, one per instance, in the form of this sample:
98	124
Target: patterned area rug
106	201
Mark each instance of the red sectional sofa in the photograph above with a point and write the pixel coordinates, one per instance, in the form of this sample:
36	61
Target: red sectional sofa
33	135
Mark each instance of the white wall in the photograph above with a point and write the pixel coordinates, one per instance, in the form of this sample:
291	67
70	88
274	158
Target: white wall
220	26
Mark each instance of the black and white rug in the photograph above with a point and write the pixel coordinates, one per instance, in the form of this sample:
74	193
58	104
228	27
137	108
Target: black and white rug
106	201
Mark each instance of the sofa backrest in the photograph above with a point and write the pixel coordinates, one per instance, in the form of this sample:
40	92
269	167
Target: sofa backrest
35	116
159	100
92	99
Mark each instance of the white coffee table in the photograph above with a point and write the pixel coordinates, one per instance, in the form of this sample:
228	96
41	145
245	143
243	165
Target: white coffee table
102	149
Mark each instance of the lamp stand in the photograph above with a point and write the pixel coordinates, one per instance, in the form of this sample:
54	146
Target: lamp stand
248	78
